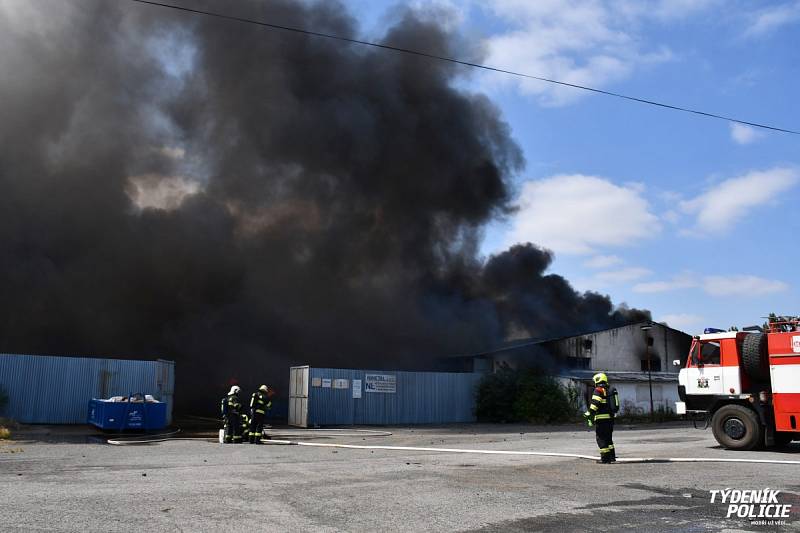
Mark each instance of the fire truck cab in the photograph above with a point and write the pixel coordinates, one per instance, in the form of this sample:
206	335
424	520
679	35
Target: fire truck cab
746	383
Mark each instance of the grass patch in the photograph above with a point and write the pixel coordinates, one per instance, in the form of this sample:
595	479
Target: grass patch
7	425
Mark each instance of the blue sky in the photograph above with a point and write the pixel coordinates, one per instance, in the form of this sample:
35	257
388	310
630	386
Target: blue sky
689	217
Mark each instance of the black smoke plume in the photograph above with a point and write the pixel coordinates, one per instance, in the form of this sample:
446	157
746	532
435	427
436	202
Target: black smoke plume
241	199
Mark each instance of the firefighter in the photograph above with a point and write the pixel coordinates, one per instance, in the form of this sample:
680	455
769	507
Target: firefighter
259	403
232	411
601	414
245	427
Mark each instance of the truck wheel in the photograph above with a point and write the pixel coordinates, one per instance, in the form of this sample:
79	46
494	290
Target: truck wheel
754	356
783	438
736	427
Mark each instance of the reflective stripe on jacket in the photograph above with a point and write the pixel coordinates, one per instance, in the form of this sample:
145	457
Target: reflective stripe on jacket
234	404
259	403
599	408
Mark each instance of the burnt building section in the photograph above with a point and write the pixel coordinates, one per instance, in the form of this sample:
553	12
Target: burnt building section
633	348
636	357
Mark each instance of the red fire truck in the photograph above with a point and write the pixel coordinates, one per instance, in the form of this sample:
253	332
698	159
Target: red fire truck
746	384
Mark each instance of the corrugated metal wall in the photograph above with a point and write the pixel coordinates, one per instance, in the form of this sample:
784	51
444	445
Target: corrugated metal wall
45	389
418	397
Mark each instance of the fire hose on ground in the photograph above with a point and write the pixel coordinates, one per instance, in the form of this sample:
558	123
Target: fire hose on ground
151	439
125	440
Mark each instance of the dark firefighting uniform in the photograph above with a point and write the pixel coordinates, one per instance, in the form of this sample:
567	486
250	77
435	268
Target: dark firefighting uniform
245	427
223	409
259	403
602	415
232	411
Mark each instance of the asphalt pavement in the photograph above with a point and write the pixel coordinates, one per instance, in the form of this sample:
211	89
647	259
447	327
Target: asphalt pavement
69	479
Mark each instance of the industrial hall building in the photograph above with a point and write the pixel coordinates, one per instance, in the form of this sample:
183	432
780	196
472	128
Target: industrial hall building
637	359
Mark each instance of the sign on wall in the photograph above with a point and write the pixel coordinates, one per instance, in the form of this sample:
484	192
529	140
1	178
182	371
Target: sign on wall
356	388
385	383
340	384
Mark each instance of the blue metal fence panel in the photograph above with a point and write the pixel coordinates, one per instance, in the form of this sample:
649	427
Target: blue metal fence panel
44	389
412	398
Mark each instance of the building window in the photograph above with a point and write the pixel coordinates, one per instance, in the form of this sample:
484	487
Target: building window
655	365
580	363
587	345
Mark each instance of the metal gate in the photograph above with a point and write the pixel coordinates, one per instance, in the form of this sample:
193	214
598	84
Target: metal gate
298	396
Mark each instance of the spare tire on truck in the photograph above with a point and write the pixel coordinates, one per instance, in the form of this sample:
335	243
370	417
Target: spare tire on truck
754	357
736	427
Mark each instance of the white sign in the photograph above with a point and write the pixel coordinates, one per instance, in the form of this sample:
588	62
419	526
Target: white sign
386	383
326	383
356	388
316	382
340	384
796	344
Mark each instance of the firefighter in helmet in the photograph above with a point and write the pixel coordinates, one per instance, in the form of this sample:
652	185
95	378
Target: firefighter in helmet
603	405
259	403
232	412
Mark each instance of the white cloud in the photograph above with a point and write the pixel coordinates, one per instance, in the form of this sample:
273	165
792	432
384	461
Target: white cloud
576	214
717	286
741	286
674	9
623	275
603	261
720	207
671	216
608	278
772	18
742	134
681	281
684	321
588	43
448	14
661	10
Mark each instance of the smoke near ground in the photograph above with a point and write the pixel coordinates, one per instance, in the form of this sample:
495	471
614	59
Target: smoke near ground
241	199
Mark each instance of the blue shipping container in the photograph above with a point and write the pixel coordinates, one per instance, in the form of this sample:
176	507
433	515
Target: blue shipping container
327	396
127	415
45	389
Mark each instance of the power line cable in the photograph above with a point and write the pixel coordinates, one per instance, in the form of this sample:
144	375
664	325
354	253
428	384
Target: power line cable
465	63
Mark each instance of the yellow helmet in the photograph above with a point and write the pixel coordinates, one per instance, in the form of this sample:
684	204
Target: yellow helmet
599	378
263	388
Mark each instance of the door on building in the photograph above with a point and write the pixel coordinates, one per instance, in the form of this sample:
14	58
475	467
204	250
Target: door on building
298	396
